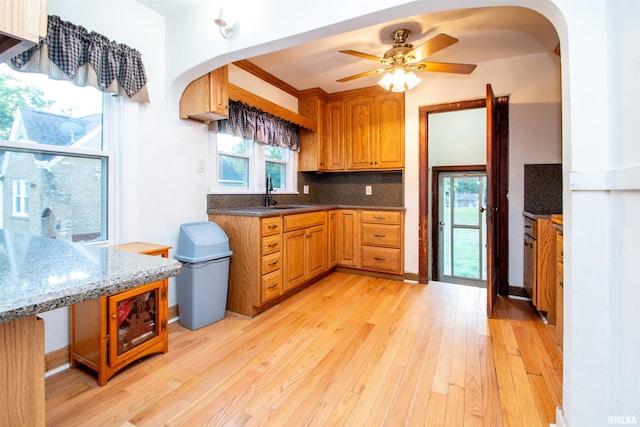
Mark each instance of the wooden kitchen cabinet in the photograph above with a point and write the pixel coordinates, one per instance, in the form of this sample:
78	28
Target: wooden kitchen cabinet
207	98
305	247
271	260
23	24
540	264
375	132
359	129
559	283
110	332
348	238
322	150
311	157
332	238
381	238
334	139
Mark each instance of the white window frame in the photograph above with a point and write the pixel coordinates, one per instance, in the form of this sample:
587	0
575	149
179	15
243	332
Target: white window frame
257	170
19	198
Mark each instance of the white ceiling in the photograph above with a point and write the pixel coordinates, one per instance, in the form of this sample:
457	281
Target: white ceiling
484	34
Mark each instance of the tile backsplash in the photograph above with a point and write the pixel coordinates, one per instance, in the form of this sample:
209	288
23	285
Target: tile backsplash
543	188
347	189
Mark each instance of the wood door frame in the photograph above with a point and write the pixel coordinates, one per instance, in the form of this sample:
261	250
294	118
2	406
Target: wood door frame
435	207
423	182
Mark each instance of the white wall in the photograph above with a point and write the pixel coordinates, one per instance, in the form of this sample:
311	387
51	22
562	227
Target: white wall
600	151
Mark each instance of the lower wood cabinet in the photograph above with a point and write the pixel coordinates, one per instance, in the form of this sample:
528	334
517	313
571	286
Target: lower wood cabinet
540	264
110	332
348	238
305	247
559	284
381	238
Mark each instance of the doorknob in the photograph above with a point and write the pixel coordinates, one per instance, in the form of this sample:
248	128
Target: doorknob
443	223
482	209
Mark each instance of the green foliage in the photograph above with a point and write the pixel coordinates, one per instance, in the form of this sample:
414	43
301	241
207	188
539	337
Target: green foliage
14	94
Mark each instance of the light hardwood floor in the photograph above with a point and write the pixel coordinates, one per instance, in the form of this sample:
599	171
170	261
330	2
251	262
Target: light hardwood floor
348	351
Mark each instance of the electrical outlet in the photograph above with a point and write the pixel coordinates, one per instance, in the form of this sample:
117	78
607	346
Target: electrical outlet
305	189
367	190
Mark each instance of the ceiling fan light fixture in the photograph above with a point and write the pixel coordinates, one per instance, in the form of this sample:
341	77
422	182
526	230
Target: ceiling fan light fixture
399	80
386	81
411	80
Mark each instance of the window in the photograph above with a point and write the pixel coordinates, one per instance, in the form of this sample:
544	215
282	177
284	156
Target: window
52	153
20	198
241	166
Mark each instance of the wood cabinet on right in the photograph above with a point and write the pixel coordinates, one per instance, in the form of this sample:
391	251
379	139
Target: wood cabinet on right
559	284
381	237
540	264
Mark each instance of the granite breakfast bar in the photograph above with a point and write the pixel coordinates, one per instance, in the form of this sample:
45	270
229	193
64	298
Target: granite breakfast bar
39	274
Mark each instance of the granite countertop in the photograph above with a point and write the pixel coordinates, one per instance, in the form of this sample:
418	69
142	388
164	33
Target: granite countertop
39	274
264	211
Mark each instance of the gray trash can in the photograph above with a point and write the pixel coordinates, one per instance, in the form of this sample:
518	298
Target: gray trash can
203	249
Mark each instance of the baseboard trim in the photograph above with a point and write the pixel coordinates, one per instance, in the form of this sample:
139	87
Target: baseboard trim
517	291
56	358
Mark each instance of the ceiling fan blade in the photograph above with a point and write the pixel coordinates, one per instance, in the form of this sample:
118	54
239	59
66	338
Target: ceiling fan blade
357	76
444	67
432	46
362	55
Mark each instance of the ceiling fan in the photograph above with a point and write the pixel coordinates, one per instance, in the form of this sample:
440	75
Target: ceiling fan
399	62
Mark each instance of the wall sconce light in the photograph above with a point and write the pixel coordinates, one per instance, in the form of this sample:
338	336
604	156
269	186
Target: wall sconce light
225	23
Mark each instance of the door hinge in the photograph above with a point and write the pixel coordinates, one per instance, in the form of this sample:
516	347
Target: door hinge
163	325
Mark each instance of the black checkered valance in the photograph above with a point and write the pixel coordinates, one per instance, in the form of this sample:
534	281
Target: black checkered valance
255	125
70	52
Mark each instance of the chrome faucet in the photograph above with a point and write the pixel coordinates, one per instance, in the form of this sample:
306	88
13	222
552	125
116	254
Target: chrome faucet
269	189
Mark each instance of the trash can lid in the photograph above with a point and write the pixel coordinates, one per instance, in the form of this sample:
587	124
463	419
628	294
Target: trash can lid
202	241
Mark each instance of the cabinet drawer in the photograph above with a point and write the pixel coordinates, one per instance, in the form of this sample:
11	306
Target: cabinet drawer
382	259
271	226
271	262
271	286
271	244
531	227
381	217
381	235
297	221
559	248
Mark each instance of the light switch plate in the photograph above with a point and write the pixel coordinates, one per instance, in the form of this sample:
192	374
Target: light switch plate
367	190
305	189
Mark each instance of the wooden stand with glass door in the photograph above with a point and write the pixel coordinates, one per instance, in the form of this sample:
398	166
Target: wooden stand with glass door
110	332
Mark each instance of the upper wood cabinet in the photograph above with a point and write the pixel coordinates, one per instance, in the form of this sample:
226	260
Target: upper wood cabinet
357	130
207	98
375	132
22	24
333	140
311	104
